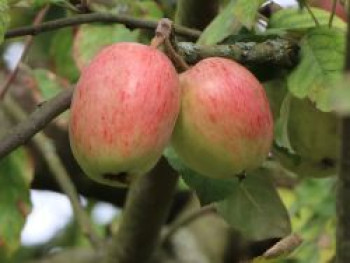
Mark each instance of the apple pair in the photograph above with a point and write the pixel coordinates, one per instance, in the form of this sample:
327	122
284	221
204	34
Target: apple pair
126	109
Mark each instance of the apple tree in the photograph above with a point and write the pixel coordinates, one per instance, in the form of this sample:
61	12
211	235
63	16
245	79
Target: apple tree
221	132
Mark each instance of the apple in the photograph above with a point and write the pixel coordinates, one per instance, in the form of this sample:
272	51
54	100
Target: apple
225	124
123	112
327	5
313	135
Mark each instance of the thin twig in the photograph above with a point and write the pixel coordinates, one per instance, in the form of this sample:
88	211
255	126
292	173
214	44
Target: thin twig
97	17
28	42
164	35
188	219
334	5
284	247
307	6
48	151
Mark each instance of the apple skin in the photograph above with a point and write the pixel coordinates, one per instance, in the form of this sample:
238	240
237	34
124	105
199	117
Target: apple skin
327	5
225	124
123	112
313	135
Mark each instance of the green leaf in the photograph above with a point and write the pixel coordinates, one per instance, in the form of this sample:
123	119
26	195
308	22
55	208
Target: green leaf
61	52
208	190
4	18
16	173
255	209
291	18
92	38
322	58
47	83
246	12
223	25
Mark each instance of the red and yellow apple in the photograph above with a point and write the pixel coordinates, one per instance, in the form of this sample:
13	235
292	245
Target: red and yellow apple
123	112
225	124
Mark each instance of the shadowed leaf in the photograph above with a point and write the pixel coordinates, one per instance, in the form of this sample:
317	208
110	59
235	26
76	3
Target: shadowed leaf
255	209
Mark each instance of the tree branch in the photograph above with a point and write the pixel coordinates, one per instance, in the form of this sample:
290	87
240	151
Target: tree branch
35	122
276	51
97	17
343	187
58	170
147	206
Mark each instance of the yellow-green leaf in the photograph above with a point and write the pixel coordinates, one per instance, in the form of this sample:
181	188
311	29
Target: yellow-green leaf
223	25
320	68
246	12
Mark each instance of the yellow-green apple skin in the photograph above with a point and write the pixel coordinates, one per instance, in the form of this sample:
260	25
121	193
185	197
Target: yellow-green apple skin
225	124
313	135
123	112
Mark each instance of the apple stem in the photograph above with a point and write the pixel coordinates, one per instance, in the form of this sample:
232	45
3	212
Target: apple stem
164	35
177	59
163	31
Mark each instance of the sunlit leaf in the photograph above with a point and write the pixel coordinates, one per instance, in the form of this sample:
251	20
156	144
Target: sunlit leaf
313	216
16	173
255	209
246	12
322	58
223	25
